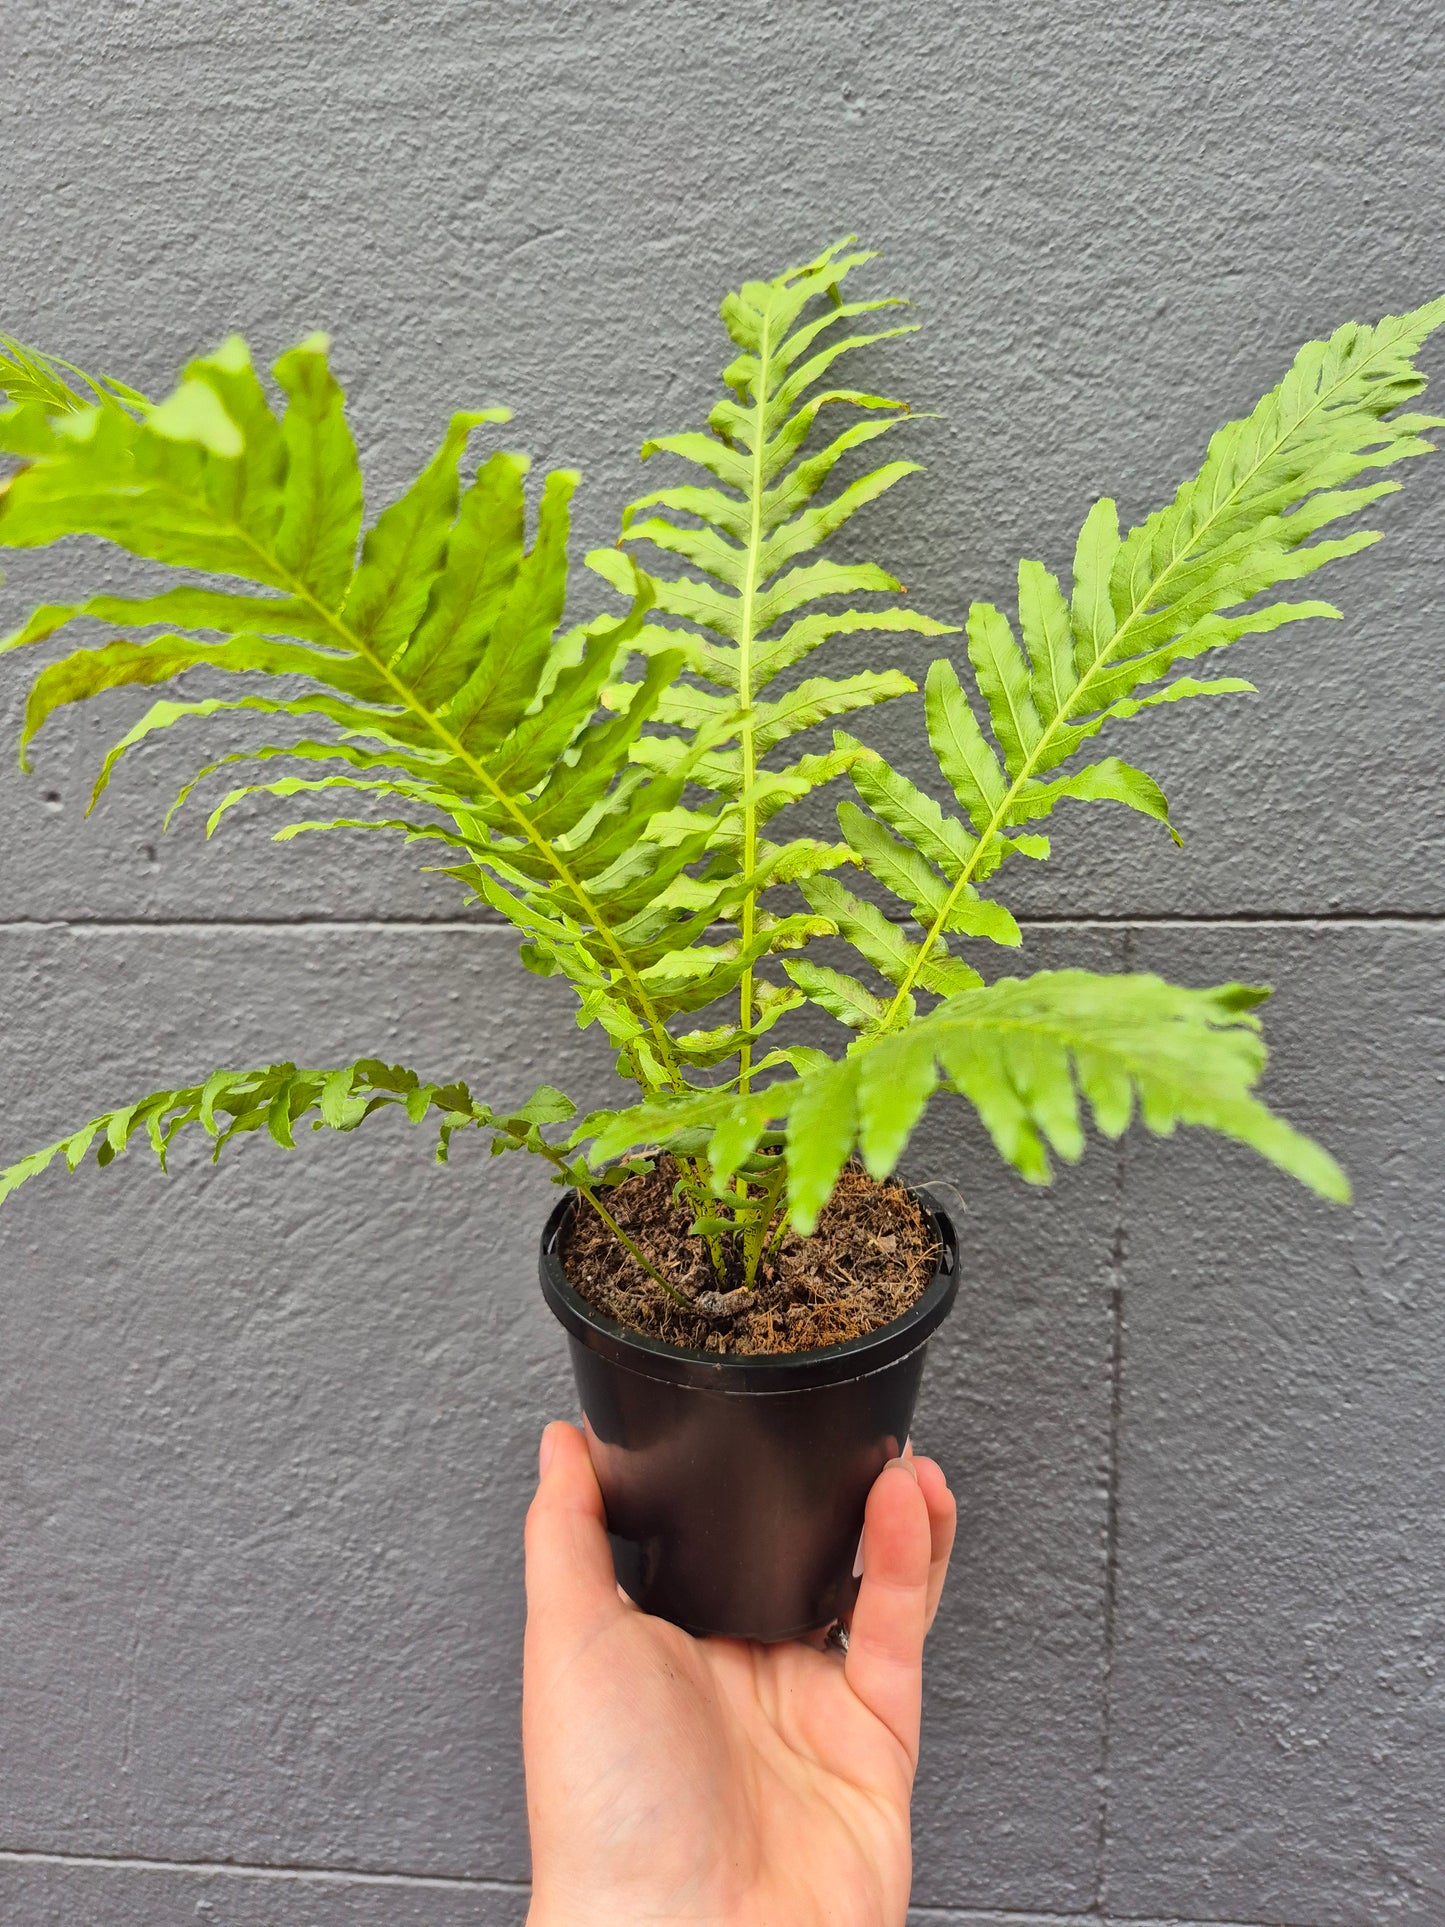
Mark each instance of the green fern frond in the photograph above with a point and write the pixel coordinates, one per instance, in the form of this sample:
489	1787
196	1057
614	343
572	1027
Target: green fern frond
1191	579
277	1098
752	605
436	654
1023	1053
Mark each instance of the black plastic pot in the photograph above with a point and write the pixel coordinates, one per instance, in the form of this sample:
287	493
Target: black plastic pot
735	1486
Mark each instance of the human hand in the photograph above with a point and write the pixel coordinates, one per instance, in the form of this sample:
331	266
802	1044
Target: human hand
676	1780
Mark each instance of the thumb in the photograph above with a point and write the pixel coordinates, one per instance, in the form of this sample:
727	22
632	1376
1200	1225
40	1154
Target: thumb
569	1562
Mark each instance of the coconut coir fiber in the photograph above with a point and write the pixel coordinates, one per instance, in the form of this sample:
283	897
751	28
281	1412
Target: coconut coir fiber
872	1255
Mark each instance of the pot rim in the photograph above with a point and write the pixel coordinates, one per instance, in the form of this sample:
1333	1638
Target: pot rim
752	1373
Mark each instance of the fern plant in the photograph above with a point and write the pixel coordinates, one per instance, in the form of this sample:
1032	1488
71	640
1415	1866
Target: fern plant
614	789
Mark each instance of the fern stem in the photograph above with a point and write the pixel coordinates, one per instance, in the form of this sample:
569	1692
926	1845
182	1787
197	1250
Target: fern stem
746	740
1073	707
759	1231
588	1192
628	1245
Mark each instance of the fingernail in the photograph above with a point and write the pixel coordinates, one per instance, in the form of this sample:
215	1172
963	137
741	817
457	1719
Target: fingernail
905	1465
545	1451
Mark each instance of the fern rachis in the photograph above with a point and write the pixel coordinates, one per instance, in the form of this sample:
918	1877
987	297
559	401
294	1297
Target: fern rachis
746	739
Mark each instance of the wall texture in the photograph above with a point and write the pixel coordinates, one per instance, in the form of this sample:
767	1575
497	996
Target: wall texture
266	1433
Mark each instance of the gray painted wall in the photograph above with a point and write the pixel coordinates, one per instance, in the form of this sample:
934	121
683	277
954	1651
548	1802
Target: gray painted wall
266	1433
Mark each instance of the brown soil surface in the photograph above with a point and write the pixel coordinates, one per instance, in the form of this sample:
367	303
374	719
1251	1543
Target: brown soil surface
871	1257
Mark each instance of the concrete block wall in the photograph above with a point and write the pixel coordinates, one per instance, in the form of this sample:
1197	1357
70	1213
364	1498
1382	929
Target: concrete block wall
266	1431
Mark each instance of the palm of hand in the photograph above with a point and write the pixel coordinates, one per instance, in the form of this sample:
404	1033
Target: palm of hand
680	1780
